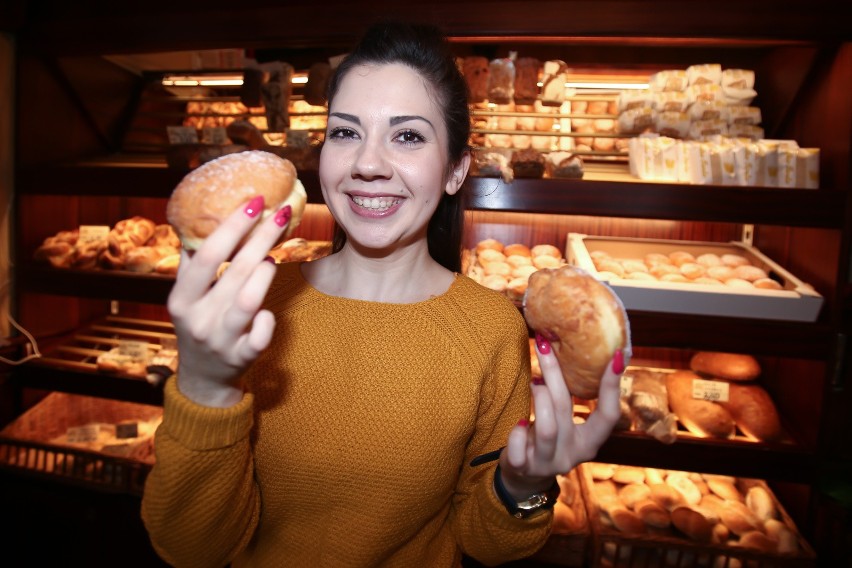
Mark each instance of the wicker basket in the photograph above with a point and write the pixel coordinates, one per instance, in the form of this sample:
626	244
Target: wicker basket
671	549
29	444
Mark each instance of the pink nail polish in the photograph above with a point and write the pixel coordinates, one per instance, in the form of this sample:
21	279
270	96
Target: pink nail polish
283	216
538	381
523	422
254	207
269	259
542	344
618	362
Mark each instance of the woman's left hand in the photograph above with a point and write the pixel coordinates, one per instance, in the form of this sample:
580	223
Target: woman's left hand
554	444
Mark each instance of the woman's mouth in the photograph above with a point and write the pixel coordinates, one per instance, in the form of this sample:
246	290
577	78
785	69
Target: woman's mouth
376	204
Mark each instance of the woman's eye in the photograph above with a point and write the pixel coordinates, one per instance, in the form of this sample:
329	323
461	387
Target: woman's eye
410	137
342	133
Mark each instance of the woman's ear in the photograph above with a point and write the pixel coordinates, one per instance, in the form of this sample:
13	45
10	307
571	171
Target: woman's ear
458	174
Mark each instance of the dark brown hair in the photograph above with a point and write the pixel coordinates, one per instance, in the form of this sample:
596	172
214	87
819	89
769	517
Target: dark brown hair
425	49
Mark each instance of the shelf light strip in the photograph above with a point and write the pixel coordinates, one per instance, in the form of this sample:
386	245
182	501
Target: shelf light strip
301	79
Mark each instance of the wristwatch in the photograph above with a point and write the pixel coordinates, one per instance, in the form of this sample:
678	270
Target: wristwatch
532	504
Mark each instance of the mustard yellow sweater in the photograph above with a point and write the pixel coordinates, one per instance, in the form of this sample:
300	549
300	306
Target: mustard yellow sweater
353	442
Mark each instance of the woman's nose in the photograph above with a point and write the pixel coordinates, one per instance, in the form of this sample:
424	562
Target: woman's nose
371	161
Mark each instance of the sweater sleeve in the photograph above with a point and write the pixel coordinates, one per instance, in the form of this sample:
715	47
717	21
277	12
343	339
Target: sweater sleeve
200	504
483	527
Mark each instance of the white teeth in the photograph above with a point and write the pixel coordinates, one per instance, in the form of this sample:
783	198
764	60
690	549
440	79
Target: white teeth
378	203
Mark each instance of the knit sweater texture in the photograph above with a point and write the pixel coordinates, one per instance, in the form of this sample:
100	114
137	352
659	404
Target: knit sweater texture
351	446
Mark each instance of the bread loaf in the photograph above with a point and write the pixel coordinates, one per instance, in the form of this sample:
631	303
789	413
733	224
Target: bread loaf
692	523
753	411
728	366
701	417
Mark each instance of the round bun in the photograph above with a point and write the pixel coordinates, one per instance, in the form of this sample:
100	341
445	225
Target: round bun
211	192
727	366
582	318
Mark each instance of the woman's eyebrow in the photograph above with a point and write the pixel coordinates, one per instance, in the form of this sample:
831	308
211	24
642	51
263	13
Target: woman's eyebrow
405	118
347	117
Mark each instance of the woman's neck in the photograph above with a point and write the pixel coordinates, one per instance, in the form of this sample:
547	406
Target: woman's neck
403	277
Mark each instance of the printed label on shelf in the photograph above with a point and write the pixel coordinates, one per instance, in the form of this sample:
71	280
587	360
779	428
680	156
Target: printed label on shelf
626	385
715	391
136	350
90	234
83	434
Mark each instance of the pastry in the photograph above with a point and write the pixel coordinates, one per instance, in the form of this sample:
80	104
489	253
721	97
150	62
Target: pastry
584	321
208	194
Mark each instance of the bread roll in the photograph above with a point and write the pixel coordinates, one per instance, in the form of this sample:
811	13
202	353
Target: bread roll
208	194
633	493
666	496
652	514
692	523
728	366
759	500
701	417
739	518
584	321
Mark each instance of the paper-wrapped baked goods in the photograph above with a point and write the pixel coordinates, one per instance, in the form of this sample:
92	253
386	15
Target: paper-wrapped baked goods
564	165
527	163
527	70
553	82
501	81
475	69
648	401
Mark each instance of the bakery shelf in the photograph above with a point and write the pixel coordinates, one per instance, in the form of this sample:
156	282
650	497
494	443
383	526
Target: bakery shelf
71	363
109	284
606	190
613	192
121	175
804	340
786	462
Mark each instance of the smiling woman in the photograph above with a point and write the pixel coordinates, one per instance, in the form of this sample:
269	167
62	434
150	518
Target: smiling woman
371	407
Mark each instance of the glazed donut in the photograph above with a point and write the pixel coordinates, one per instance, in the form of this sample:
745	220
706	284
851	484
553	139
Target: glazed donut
211	192
692	270
767	284
679	257
609	265
722	273
584	321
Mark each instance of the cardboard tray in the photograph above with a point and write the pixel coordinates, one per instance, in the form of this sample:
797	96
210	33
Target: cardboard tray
796	301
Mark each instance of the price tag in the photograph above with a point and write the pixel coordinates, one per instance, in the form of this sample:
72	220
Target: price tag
82	434
182	135
127	430
137	350
716	391
169	343
92	234
626	385
216	135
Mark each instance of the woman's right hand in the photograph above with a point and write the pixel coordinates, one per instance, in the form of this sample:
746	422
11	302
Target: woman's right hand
220	326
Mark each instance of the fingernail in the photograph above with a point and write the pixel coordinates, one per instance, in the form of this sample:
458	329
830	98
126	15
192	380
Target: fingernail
618	362
523	422
542	344
269	259
283	215
255	206
537	381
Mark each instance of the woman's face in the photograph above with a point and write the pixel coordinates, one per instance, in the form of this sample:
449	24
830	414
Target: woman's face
384	163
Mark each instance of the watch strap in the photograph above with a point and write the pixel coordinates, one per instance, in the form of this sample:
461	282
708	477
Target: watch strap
523	509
